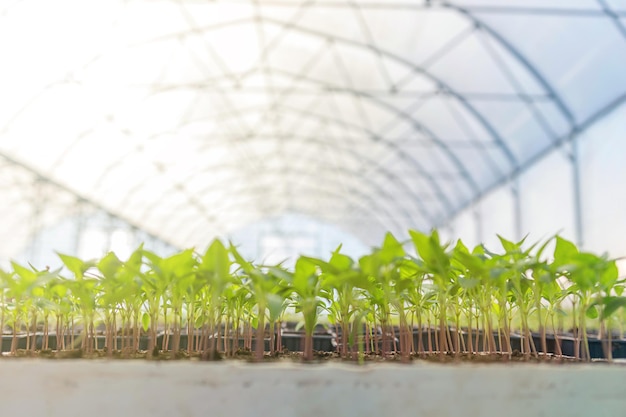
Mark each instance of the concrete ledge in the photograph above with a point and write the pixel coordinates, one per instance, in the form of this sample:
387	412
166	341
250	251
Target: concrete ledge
232	389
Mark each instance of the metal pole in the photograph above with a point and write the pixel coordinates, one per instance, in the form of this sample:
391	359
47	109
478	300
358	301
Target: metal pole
517	207
478	220
35	226
578	209
110	229
80	226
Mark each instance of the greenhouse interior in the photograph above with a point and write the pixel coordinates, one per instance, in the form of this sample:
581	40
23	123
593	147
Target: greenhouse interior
293	126
316	181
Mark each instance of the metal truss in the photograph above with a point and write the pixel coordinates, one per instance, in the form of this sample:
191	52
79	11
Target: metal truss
370	196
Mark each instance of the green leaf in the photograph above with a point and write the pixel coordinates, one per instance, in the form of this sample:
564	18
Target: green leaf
592	312
145	321
274	305
280	273
59	290
135	259
304	273
609	275
543	247
544	277
340	261
469	283
299	325
217	260
154	260
507	245
109	265
77	266
323	265
611	305
360	280
369	264
432	252
391	250
247	267
26	274
472	263
422	244
564	251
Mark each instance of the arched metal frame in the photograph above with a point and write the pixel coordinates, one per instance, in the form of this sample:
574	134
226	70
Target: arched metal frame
417	168
240	206
361	200
39	177
380	52
441	85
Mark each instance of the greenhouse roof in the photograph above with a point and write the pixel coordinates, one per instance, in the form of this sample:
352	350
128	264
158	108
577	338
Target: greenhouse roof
190	119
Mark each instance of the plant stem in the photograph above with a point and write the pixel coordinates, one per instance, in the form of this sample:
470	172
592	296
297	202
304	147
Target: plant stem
14	337
575	331
557	340
2	313
260	334
442	325
271	341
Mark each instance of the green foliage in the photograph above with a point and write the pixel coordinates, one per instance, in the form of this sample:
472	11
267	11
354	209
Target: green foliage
438	282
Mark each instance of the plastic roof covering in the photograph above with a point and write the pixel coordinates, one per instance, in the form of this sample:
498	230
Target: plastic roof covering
190	119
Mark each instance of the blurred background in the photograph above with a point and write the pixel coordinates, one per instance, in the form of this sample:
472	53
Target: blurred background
291	126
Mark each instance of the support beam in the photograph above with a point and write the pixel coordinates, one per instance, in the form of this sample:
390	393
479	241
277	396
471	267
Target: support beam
562	141
80	225
478	221
58	185
576	183
517	208
35	220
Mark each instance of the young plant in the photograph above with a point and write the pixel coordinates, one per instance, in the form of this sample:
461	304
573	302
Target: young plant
164	275
310	296
593	279
260	284
113	292
26	289
436	263
382	267
132	299
278	299
347	284
83	290
214	269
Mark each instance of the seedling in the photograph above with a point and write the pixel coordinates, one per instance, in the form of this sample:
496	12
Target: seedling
433	297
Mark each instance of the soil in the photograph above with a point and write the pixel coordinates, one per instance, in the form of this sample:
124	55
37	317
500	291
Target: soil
286	356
